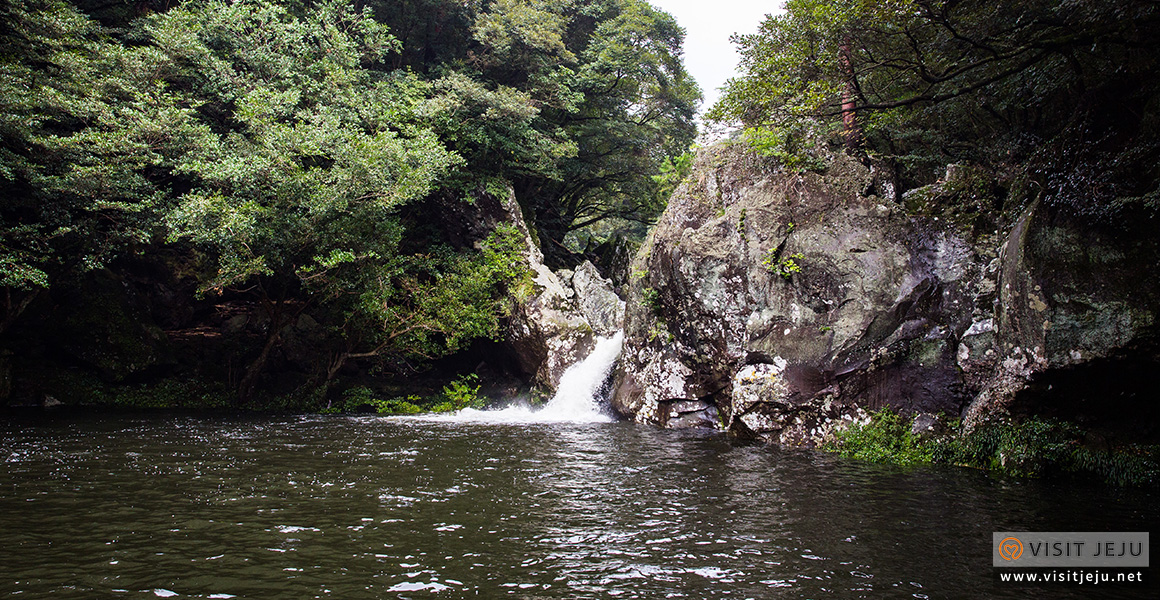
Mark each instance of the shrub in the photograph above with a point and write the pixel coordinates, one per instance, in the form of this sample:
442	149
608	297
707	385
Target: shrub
461	394
887	437
1032	447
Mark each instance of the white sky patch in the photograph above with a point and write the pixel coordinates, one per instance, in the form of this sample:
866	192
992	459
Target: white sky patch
709	56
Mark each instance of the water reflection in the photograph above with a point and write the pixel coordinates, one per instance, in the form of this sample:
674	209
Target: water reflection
369	507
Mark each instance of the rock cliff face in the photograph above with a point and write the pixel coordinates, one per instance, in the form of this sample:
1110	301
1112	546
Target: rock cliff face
778	304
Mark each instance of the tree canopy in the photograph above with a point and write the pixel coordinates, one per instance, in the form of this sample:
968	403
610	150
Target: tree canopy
1067	87
575	104
290	146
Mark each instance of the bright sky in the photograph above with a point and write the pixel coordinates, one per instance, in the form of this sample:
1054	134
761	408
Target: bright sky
709	56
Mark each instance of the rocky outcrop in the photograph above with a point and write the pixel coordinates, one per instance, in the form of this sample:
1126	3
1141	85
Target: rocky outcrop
780	304
1076	300
558	323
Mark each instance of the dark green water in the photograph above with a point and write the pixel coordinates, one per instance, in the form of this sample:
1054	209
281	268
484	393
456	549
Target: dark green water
370	507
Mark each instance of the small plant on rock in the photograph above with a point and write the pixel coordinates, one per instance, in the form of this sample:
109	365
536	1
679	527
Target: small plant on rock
660	330
783	266
651	299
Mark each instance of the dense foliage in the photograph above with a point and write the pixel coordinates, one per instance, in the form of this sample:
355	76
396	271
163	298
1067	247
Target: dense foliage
1067	90
576	104
288	147
1030	447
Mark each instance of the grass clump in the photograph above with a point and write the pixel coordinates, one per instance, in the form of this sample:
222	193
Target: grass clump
1032	447
886	437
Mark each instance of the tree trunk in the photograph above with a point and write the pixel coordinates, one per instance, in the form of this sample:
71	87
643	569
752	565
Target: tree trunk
14	307
246	387
335	366
851	128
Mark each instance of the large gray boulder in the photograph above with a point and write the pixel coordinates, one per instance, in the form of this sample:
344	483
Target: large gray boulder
1077	300
787	304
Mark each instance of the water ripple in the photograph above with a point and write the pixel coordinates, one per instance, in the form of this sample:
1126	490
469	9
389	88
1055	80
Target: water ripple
371	507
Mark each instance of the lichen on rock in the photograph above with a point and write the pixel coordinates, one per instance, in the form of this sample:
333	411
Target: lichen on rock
791	303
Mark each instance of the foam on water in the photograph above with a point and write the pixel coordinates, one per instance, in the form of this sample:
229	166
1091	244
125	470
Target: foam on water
576	397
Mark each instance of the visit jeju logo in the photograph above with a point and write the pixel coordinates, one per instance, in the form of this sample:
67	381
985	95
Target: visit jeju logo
1010	548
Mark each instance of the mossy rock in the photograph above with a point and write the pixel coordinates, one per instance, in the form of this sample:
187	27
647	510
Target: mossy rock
973	200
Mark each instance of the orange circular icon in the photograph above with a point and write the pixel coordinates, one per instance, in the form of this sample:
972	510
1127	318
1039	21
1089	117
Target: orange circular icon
1010	548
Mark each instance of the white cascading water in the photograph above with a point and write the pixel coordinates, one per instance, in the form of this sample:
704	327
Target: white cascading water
576	397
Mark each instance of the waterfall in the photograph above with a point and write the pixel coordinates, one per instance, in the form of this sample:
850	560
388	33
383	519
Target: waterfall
576	399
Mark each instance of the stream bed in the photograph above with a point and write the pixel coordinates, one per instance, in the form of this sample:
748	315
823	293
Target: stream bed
165	505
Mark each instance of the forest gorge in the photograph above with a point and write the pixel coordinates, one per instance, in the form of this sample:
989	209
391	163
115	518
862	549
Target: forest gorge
185	182
942	209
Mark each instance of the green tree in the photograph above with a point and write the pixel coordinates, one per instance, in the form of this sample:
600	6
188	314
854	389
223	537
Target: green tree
86	139
431	33
575	105
637	114
929	82
306	153
290	146
419	307
260	137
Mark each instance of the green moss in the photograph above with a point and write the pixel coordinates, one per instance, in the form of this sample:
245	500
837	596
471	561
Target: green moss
886	437
972	199
1033	447
920	201
927	352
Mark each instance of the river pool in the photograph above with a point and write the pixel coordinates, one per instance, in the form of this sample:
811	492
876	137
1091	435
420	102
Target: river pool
348	507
